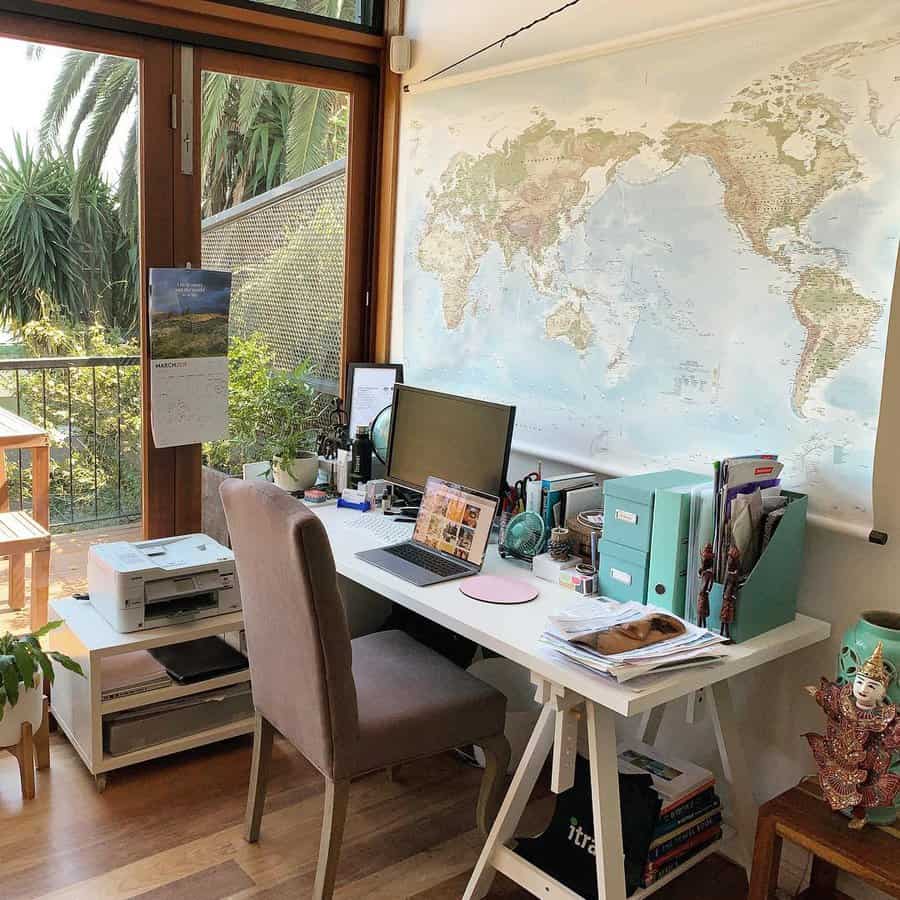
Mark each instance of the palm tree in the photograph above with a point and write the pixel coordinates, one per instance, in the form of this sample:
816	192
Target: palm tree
255	134
59	258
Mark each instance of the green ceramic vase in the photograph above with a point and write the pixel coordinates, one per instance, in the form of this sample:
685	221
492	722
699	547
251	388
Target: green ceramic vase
858	645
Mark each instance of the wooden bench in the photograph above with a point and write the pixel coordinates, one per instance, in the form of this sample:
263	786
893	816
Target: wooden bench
802	817
21	532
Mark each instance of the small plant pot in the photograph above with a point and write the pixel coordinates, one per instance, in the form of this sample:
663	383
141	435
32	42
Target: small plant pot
302	473
30	708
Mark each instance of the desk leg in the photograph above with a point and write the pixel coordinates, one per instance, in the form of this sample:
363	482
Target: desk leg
734	765
514	803
610	852
650	722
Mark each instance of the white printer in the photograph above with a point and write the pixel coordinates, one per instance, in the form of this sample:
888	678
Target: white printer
167	581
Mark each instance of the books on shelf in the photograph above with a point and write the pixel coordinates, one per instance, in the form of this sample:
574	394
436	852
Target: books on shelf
675	780
627	640
691	815
131	673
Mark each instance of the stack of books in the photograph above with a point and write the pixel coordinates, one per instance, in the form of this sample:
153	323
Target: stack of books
691	815
132	673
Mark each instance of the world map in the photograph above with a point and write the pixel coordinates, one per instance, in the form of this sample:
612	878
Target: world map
669	254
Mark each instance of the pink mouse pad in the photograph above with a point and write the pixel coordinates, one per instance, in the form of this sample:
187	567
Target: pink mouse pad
496	589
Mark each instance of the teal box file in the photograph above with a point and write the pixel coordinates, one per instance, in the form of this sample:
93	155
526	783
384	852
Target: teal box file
669	546
628	505
768	598
623	572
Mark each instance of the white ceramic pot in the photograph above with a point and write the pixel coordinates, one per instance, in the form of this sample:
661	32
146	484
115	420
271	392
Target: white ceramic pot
302	473
30	708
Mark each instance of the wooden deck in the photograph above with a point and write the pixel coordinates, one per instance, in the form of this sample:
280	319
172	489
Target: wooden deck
68	569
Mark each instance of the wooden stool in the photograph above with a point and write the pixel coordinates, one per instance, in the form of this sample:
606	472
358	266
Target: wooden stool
21	532
32	749
802	817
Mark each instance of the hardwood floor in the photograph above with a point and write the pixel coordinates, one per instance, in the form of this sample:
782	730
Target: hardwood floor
173	829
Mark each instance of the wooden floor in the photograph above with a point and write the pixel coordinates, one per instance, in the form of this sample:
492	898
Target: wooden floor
68	565
171	829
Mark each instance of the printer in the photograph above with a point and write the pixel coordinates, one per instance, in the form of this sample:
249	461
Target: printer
168	581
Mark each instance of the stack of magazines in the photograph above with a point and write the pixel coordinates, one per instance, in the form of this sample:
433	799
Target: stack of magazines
691	815
627	640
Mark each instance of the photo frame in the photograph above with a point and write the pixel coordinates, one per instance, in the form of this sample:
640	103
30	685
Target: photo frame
370	388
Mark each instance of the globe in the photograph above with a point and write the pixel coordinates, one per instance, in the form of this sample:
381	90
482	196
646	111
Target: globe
381	434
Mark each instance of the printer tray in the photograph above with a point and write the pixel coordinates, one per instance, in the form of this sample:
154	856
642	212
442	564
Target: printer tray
134	729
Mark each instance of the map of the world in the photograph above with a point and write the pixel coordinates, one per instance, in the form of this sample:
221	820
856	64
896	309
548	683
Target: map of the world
669	254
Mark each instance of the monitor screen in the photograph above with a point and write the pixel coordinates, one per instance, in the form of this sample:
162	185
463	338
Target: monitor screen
457	439
455	520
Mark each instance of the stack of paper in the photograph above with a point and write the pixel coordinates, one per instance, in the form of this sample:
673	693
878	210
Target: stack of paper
132	673
567	633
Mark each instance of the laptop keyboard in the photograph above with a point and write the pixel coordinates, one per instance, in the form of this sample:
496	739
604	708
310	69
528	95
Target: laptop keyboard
425	560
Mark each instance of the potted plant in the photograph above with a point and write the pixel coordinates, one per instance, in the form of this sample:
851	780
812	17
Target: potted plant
293	413
23	667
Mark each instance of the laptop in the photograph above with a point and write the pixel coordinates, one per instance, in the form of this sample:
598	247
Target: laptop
450	538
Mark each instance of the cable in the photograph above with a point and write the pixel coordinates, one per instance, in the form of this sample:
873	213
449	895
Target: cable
498	43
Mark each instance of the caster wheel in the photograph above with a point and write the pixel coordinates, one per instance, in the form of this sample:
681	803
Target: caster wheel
100	782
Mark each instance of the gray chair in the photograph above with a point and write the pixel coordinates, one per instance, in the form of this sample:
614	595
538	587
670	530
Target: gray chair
350	707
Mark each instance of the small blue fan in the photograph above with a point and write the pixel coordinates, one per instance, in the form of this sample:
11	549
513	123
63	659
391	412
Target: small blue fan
524	536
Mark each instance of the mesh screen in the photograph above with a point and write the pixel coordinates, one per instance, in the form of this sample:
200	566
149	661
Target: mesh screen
285	250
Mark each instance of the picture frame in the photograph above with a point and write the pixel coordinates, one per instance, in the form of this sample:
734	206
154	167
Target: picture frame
369	385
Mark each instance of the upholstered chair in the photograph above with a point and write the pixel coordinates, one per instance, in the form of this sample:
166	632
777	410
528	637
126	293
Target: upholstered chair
349	707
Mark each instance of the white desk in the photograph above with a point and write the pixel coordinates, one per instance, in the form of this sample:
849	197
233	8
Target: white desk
564	688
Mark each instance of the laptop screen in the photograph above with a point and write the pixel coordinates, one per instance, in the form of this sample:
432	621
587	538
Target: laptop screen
455	520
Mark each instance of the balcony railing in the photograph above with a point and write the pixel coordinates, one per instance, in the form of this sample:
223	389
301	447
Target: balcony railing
91	409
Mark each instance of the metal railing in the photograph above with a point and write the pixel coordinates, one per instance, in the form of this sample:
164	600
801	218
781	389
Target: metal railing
91	408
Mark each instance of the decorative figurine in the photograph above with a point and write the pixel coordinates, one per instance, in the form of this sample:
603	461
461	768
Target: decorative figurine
730	591
862	733
336	434
706	582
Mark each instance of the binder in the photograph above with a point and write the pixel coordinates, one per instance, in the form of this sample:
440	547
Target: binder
768	598
669	549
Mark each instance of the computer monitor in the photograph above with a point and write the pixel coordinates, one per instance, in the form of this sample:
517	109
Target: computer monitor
457	439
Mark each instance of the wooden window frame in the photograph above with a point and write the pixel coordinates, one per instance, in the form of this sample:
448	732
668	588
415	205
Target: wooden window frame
171	477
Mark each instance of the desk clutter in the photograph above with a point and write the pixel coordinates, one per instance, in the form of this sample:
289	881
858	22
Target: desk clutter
625	641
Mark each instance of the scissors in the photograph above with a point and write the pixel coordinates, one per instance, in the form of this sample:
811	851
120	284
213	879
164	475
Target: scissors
521	488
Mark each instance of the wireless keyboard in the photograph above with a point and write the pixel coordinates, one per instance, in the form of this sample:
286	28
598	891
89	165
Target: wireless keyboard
383	527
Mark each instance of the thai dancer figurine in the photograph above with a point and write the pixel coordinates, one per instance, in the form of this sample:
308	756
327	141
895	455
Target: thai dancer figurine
862	733
706	583
730	591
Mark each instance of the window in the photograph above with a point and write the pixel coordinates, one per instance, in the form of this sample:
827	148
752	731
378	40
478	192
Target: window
362	14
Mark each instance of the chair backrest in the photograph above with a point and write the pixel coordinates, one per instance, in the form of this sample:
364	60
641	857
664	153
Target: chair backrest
297	635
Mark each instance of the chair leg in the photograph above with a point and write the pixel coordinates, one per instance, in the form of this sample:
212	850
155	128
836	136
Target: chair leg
259	775
40	587
337	793
17	581
496	762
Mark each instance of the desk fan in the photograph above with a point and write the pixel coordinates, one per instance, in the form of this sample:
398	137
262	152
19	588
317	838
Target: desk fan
524	536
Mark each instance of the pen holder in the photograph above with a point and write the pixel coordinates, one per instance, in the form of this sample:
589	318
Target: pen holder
768	597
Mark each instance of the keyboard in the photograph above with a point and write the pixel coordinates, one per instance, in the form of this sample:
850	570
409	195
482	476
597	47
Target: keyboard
383	527
425	560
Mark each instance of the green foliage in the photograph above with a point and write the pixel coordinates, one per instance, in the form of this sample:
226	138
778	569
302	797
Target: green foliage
271	413
102	406
20	659
61	256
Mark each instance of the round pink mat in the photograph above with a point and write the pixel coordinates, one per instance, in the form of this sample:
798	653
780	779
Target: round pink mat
497	589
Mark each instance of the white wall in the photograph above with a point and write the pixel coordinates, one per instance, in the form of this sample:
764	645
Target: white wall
843	576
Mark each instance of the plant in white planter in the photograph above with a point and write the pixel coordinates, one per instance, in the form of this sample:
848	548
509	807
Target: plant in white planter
23	667
293	411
